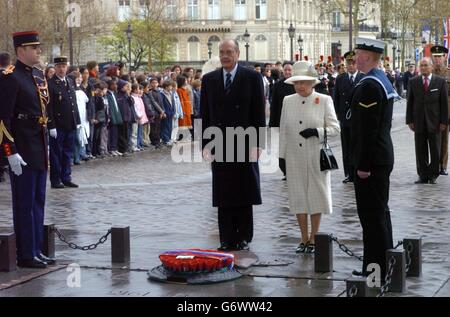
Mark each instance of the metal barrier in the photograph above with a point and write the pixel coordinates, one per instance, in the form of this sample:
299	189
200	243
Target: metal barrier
120	242
399	264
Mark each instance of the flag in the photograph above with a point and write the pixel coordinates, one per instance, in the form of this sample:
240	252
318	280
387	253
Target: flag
447	37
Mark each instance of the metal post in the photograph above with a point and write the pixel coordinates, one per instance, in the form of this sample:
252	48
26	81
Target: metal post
292	48
398	282
323	258
120	244
129	51
71	45
8	252
350	26
48	248
360	283
415	268
393	54
246	52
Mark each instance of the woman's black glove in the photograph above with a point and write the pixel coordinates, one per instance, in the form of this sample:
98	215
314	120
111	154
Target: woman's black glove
309	133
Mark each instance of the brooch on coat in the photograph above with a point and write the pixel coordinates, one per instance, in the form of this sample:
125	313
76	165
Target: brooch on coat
317	101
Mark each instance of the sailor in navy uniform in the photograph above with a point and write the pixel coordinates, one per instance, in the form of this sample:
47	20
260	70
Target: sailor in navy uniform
23	140
373	153
64	119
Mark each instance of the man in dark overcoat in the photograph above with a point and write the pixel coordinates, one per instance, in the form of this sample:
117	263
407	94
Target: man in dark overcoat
233	97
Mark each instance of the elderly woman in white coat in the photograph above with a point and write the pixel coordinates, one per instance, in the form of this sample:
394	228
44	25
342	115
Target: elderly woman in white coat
304	118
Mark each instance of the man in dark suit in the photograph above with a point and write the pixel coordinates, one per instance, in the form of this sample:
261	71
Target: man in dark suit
233	97
439	57
63	122
427	116
23	141
372	151
343	90
280	90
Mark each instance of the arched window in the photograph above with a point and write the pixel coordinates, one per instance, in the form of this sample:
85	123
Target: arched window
193	48
261	48
215	40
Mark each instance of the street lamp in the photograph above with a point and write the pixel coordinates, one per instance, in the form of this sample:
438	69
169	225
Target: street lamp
129	32
291	31
300	45
247	40
210	44
394	48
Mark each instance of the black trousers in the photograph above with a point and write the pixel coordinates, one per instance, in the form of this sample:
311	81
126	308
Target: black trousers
155	132
123	137
372	197
282	165
235	224
346	152
428	167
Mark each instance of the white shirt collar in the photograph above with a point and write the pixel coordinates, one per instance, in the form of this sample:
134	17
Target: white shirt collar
429	77
233	73
354	75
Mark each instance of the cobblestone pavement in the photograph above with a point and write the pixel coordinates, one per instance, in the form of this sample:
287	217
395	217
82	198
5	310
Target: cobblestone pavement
168	205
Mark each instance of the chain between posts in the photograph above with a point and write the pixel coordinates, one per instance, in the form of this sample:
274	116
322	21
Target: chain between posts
388	279
408	251
74	246
345	249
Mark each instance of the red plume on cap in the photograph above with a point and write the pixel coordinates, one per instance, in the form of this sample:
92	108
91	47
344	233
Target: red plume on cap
330	59
306	58
321	58
387	59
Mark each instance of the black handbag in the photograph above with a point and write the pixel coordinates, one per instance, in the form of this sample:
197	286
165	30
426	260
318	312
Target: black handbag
327	160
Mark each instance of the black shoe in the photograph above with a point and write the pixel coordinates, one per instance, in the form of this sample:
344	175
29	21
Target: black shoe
243	246
348	180
224	247
35	263
58	186
421	181
71	185
301	248
433	181
47	260
310	248
444	172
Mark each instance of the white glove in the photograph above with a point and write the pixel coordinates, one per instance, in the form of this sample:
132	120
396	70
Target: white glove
53	133
16	162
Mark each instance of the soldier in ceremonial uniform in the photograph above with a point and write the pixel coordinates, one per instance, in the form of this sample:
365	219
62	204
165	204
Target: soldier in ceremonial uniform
63	122
23	140
439	57
373	153
345	83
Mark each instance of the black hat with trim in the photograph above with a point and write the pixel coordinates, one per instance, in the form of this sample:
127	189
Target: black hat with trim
60	60
438	50
28	38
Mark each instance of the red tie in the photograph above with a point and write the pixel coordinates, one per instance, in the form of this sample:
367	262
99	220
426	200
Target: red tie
425	84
